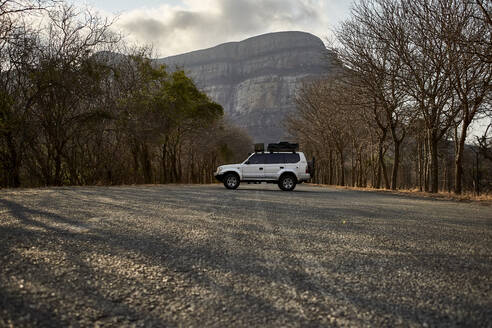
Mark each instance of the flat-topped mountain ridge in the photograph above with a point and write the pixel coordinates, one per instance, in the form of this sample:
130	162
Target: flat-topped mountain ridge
254	46
256	79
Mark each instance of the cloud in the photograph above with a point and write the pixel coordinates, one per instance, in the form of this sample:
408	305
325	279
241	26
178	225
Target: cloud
197	24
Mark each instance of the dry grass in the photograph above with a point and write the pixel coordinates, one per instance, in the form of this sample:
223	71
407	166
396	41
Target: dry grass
483	199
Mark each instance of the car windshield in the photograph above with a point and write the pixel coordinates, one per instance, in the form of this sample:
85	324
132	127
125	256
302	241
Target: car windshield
256	158
247	158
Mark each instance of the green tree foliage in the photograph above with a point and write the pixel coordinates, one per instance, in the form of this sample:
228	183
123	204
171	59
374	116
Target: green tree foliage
159	112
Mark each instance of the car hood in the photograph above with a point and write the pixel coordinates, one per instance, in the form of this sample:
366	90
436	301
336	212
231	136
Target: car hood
228	166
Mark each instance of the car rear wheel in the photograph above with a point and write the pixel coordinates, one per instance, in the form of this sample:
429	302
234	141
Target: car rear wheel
231	181
287	182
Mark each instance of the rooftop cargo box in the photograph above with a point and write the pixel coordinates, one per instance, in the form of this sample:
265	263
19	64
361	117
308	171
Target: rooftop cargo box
283	147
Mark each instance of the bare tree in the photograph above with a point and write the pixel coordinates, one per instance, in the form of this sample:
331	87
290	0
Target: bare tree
327	118
64	78
16	45
420	60
14	15
470	76
366	52
426	74
413	70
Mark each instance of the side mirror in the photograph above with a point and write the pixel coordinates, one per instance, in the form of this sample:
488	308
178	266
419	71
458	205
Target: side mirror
247	163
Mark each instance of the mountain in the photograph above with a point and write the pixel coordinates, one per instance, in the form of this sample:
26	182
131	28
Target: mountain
255	80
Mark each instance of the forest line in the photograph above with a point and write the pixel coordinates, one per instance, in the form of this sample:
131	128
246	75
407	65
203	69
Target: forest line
415	75
80	107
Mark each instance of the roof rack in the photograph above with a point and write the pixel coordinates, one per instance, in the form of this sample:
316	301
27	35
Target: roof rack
283	147
277	147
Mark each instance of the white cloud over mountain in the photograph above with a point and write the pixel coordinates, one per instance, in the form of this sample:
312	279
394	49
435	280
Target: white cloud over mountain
196	24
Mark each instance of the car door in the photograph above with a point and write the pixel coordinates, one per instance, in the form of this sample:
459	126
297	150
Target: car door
274	164
291	161
253	167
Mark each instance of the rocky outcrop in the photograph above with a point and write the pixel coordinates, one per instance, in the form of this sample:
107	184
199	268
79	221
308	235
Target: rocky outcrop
255	80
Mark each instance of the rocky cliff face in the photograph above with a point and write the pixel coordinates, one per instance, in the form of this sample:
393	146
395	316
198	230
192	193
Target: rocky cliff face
255	80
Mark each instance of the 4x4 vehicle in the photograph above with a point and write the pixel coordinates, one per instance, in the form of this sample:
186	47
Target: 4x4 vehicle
281	164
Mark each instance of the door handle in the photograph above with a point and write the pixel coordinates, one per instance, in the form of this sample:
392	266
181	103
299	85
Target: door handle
281	167
261	168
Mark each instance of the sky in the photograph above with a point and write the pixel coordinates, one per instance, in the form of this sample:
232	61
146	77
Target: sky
177	26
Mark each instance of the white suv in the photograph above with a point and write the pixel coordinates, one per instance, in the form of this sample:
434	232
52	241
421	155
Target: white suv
284	168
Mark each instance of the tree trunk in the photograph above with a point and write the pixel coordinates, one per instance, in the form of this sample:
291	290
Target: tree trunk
173	160
458	177
136	164
164	164
14	165
420	162
179	166
434	165
353	167
396	163
58	180
378	175
426	165
342	169
360	173
146	165
330	172
396	145
383	167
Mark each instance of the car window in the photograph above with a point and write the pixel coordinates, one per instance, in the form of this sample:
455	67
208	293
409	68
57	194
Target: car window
263	159
254	159
291	158
274	159
257	159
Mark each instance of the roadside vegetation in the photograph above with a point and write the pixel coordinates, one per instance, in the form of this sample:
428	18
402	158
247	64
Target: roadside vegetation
80	107
415	75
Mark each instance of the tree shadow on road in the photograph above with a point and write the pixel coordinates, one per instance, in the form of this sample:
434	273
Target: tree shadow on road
276	268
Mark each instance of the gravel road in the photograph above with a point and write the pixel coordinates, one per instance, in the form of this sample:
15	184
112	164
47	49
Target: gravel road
195	256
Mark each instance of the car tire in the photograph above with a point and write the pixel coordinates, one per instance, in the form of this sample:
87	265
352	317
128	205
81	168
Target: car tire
287	182
231	181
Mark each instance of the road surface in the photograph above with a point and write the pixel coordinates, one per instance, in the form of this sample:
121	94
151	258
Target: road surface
196	256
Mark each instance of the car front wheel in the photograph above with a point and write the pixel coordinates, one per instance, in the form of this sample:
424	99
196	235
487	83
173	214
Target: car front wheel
287	182
231	181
